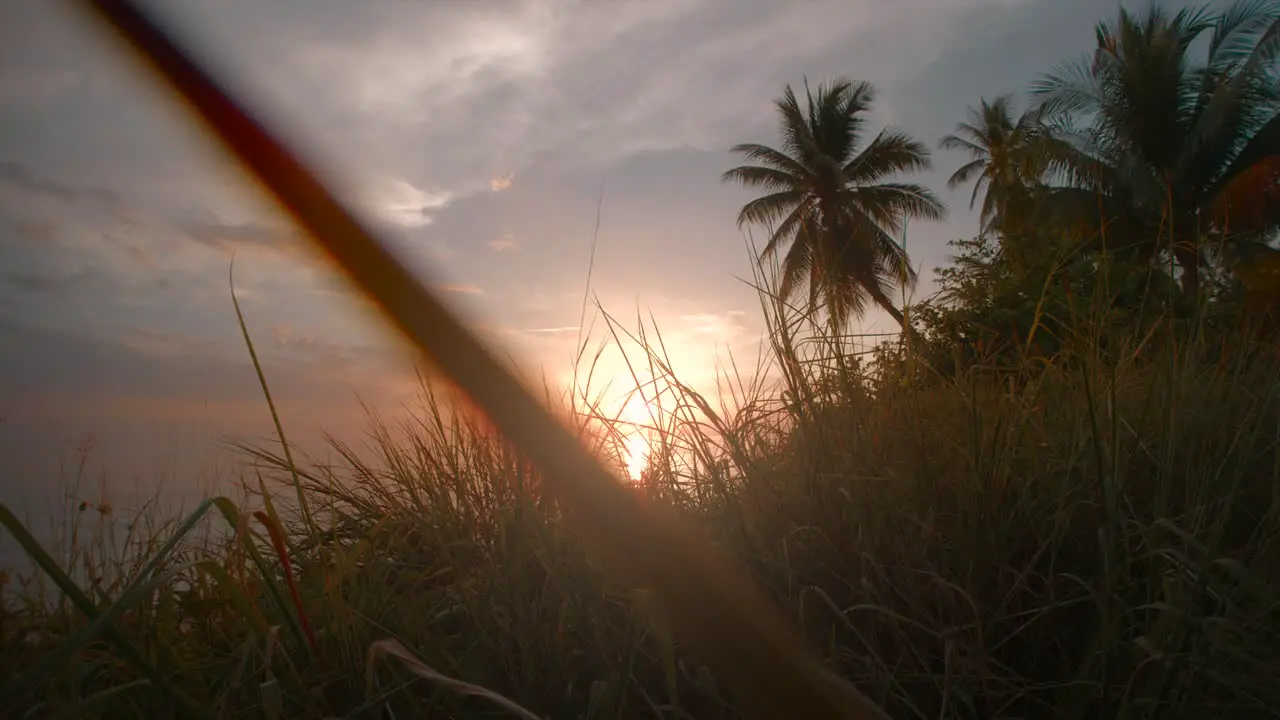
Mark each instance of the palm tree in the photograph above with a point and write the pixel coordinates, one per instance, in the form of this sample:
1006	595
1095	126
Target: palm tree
1165	151
833	204
1007	160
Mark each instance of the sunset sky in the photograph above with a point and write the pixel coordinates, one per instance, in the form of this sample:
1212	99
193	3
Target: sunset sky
479	134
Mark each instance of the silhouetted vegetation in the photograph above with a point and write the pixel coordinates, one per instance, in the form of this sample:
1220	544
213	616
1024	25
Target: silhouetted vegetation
832	203
1058	497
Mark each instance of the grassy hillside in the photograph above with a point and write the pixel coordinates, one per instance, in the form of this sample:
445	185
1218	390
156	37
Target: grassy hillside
1096	536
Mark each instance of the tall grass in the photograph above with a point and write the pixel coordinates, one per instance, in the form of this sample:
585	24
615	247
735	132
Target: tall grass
1097	536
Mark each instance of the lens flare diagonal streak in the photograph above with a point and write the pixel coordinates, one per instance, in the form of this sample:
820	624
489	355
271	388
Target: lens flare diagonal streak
733	624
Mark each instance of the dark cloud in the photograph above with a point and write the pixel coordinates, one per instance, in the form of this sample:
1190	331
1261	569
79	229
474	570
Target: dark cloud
85	279
20	177
33	232
227	236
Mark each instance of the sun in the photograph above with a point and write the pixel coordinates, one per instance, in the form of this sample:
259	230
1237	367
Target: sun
636	453
634	418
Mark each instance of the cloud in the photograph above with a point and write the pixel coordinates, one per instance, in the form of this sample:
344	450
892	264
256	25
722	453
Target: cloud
52	283
460	289
116	215
318	346
17	177
403	204
464	96
157	344
142	256
506	242
101	244
721	328
35	232
253	235
562	330
502	182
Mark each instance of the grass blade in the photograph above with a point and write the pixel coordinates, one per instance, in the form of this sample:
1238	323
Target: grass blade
395	649
303	506
19	687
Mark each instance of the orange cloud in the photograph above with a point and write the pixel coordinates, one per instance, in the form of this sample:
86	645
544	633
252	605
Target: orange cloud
502	182
555	330
460	289
160	344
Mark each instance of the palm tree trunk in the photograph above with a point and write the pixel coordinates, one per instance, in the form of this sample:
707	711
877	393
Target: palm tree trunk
913	336
1189	261
896	314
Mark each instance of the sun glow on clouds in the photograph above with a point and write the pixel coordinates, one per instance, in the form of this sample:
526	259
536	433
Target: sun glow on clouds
404	204
460	289
694	345
502	182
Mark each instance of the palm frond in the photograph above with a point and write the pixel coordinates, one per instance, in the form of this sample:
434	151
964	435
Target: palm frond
992	206
756	176
1071	158
1262	143
797	135
797	264
1067	89
1232	111
965	173
896	201
853	111
1238	30
892	151
1249	182
786	231
835	117
768	210
955	142
770	157
1267	47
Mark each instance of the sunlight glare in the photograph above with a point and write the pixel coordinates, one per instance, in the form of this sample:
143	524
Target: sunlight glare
635	446
636	451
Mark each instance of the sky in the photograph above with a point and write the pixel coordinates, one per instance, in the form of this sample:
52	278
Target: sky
482	138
